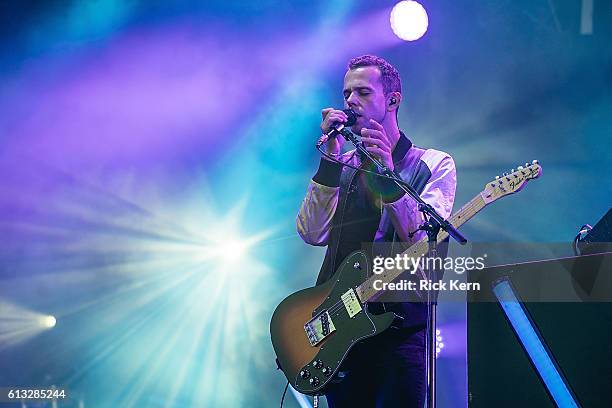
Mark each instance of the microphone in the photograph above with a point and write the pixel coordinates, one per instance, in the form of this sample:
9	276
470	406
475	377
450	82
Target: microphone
336	129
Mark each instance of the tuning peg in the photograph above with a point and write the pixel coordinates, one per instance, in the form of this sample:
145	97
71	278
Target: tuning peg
512	171
526	164
496	177
534	162
520	168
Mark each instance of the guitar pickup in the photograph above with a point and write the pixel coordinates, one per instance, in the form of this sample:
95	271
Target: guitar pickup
351	302
319	327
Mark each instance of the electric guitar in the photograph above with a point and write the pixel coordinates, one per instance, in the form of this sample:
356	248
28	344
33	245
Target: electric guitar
314	329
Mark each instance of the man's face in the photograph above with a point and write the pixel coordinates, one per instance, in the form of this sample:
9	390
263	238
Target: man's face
363	92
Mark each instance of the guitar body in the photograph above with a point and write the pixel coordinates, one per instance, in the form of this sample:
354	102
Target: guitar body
309	367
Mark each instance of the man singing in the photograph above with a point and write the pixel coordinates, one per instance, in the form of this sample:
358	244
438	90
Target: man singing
345	208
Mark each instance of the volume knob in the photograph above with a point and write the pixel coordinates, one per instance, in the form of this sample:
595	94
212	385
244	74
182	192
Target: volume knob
327	371
317	364
314	381
304	374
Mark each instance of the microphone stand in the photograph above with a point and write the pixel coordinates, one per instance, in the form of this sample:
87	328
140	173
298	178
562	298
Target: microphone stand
433	223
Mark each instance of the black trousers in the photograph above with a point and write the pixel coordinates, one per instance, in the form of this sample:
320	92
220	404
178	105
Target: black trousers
386	371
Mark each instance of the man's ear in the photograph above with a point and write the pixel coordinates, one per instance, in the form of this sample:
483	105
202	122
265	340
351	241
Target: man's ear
393	101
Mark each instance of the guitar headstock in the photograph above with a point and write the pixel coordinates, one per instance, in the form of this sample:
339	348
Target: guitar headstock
512	182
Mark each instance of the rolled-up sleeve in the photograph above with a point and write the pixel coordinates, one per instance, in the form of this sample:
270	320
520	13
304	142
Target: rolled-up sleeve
439	192
319	206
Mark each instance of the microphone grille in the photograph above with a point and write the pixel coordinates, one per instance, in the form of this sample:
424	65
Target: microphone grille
352	118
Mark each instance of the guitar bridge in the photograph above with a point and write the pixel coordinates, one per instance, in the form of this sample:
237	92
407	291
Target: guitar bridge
319	327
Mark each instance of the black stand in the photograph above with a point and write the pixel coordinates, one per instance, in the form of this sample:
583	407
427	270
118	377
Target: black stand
432	229
433	223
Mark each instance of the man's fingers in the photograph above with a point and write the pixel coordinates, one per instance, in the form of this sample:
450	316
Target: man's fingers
340	114
336	118
327	111
376	142
376	125
375	134
377	151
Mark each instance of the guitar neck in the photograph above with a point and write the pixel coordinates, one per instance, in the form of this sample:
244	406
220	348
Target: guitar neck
366	290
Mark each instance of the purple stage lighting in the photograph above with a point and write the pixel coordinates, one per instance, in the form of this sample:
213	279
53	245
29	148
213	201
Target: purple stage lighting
409	20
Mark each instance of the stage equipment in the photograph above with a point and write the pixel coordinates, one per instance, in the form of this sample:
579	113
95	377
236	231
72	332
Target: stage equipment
536	338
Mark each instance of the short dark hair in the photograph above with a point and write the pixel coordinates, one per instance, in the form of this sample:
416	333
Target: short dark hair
389	76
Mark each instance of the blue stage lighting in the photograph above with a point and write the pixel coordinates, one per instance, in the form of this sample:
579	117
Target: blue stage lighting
533	344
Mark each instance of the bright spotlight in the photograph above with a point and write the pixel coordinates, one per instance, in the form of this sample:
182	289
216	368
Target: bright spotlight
49	321
18	324
223	244
409	20
230	250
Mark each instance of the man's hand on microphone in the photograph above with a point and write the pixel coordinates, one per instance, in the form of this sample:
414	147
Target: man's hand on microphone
378	143
331	117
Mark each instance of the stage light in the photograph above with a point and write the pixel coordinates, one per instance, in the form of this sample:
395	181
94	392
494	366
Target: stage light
48	321
18	324
229	251
439	343
225	243
229	248
533	344
409	20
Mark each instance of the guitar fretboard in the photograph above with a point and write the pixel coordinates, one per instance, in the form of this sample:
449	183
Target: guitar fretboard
366	290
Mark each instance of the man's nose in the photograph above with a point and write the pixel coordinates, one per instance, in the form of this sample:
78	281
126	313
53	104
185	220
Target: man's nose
351	101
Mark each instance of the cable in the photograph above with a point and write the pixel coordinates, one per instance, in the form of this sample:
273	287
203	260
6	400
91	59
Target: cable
283	397
335	160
